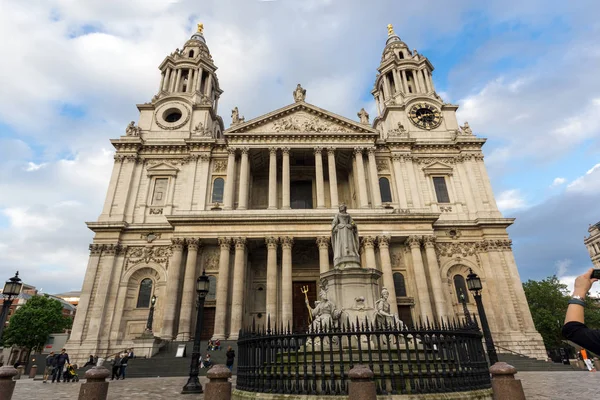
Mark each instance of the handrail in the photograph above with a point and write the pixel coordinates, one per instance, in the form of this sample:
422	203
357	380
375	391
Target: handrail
511	351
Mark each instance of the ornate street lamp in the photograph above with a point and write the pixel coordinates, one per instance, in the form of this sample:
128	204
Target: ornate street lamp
474	285
193	384
12	288
151	315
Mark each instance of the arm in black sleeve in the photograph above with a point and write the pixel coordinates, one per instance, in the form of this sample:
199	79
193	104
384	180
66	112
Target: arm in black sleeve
582	335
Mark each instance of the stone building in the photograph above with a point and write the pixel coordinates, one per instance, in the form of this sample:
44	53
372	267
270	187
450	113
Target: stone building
592	243
252	205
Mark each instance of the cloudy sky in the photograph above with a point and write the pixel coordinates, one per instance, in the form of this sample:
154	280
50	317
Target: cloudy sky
523	72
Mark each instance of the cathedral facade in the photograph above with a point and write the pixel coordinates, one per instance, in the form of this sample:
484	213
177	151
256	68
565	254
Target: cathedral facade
252	206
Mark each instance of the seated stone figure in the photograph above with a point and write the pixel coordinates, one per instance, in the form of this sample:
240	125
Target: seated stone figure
324	314
383	315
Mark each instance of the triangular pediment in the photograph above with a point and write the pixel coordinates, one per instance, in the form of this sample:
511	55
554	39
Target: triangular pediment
300	117
162	169
438	168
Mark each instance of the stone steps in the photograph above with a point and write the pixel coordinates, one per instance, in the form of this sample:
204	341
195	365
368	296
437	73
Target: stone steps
522	363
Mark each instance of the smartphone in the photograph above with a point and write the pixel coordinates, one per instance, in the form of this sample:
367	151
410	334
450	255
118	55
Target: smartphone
596	274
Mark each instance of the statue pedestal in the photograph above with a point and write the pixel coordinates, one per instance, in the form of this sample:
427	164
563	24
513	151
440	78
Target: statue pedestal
147	345
355	290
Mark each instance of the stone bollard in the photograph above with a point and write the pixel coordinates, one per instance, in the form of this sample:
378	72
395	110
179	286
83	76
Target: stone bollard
7	385
361	385
95	386
33	371
20	370
504	384
218	387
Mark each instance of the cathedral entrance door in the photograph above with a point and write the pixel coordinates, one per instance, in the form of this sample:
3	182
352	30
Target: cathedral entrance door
301	319
301	195
208	323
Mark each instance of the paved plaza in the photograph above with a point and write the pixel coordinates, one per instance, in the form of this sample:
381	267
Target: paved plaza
538	386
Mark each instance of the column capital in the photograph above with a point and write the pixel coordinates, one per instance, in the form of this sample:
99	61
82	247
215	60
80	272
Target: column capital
240	243
372	150
271	242
245	150
177	244
273	151
384	241
414	241
323	242
368	241
358	150
429	241
225	243
318	150
204	156
113	249
96	249
285	151
231	151
193	244
331	151
287	242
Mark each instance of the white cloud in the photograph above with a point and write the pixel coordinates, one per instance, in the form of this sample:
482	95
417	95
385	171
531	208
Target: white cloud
590	182
510	200
31	166
557	182
562	266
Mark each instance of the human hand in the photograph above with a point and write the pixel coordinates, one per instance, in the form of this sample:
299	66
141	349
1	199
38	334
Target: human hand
583	283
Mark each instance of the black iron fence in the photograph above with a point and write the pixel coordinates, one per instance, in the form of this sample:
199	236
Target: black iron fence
445	356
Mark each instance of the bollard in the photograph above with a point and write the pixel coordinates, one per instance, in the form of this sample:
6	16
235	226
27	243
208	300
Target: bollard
7	385
33	371
361	385
504	384
95	386
218	387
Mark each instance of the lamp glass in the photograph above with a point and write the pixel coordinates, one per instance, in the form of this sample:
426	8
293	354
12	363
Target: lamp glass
473	282
153	300
12	287
202	285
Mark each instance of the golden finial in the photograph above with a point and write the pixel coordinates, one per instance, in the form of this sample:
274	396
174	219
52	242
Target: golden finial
200	28
390	30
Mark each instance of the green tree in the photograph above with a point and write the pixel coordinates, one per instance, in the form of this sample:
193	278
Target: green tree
548	301
33	322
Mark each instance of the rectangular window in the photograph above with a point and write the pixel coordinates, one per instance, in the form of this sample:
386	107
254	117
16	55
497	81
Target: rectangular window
441	190
159	196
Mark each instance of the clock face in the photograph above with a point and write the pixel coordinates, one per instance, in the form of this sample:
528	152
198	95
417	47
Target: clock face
425	116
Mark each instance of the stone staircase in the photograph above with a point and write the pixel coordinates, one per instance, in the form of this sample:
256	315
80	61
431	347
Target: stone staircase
523	363
166	364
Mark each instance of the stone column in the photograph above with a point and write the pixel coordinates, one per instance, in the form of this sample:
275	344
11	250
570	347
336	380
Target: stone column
399	182
190	82
172	80
362	181
513	272
272	278
162	81
165	85
208	87
237	300
198	79
439	299
272	178
323	243
425	80
319	177
189	291
244	177
229	181
413	179
386	268
200	194
419	271
333	185
286	281
369	249
222	289
497	318
177	80
404	81
86	291
173	280
397	80
285	178
375	192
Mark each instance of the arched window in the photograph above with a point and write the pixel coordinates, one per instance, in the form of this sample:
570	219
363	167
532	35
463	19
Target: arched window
218	187
384	189
401	54
460	286
191	53
144	293
212	289
399	284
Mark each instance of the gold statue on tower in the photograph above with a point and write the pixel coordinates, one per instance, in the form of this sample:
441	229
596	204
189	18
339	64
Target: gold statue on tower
390	30
200	28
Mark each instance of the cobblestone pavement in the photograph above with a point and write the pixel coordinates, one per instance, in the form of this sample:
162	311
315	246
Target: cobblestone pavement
538	386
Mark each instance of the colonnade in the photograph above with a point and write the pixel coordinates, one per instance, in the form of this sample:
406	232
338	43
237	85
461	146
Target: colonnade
171	80
358	164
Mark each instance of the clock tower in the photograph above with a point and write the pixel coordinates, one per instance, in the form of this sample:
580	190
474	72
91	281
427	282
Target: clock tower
407	104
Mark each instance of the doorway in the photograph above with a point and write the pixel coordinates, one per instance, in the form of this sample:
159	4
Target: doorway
208	323
405	314
301	195
301	319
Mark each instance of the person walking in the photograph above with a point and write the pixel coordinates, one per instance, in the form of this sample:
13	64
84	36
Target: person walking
61	360
230	357
50	364
116	367
124	359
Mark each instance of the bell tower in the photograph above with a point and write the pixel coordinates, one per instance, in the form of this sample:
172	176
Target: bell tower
186	104
405	94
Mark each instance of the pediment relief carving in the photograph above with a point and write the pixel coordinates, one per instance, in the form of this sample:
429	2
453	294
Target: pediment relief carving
162	169
437	168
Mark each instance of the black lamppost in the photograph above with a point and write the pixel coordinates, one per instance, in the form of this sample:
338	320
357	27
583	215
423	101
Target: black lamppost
193	384
12	288
474	285
151	315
